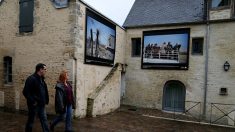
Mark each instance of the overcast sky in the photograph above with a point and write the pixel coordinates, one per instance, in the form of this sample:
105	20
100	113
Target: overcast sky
116	10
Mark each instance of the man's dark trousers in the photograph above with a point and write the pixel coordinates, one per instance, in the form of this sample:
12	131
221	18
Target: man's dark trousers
32	111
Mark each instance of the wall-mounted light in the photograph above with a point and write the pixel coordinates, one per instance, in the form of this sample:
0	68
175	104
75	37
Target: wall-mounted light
226	66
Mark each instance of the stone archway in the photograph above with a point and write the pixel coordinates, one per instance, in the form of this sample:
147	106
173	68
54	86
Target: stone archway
174	96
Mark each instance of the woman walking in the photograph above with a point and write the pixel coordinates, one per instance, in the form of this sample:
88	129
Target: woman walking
64	102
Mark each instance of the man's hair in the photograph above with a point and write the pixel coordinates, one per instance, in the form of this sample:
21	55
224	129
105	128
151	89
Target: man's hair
39	66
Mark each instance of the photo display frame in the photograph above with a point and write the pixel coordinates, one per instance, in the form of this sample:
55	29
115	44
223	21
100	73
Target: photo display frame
100	40
166	49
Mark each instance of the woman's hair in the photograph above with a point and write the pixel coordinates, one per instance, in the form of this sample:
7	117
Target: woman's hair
62	77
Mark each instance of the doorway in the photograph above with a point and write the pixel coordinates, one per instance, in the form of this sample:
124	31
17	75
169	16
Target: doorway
174	96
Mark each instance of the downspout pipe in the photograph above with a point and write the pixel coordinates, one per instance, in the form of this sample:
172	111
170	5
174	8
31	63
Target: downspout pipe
206	57
75	80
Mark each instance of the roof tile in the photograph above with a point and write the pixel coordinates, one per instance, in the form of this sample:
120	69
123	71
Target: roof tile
156	12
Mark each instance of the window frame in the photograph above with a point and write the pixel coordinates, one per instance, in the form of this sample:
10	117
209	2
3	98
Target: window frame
233	9
26	16
7	70
202	46
220	7
132	45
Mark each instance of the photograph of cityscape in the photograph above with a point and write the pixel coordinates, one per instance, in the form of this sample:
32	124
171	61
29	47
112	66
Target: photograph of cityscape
100	41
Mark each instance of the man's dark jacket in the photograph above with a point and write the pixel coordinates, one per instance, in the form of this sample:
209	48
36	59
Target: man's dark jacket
60	98
35	90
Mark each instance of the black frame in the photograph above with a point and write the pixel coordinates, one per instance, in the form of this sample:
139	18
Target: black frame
96	60
233	8
7	69
1	2
26	17
198	39
166	66
133	49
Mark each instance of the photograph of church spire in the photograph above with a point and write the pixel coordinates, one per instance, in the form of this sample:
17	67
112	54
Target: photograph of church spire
100	40
166	49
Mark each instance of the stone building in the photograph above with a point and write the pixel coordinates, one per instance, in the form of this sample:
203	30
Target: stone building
203	77
169	54
53	33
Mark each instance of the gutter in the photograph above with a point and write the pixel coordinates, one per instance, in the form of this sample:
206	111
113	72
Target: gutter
206	61
75	80
164	24
179	24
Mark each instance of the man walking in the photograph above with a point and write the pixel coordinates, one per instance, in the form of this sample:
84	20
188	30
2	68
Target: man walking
36	94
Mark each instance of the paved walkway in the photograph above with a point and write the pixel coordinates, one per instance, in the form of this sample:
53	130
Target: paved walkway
123	120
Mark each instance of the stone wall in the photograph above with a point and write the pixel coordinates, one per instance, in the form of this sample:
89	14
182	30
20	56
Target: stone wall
144	87
108	99
220	14
221	49
51	43
90	76
58	41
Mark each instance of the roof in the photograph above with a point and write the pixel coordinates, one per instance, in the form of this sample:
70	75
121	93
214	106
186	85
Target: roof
158	12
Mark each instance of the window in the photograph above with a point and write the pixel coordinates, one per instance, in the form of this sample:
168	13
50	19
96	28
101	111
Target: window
1	2
197	46
136	46
7	70
219	3
60	3
26	16
233	8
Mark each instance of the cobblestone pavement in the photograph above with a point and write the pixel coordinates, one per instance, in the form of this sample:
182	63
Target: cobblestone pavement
122	120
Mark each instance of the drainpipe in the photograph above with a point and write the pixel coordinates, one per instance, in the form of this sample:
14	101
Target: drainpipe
206	57
75	80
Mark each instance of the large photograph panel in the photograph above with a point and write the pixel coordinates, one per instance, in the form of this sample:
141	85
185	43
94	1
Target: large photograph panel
100	40
165	49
